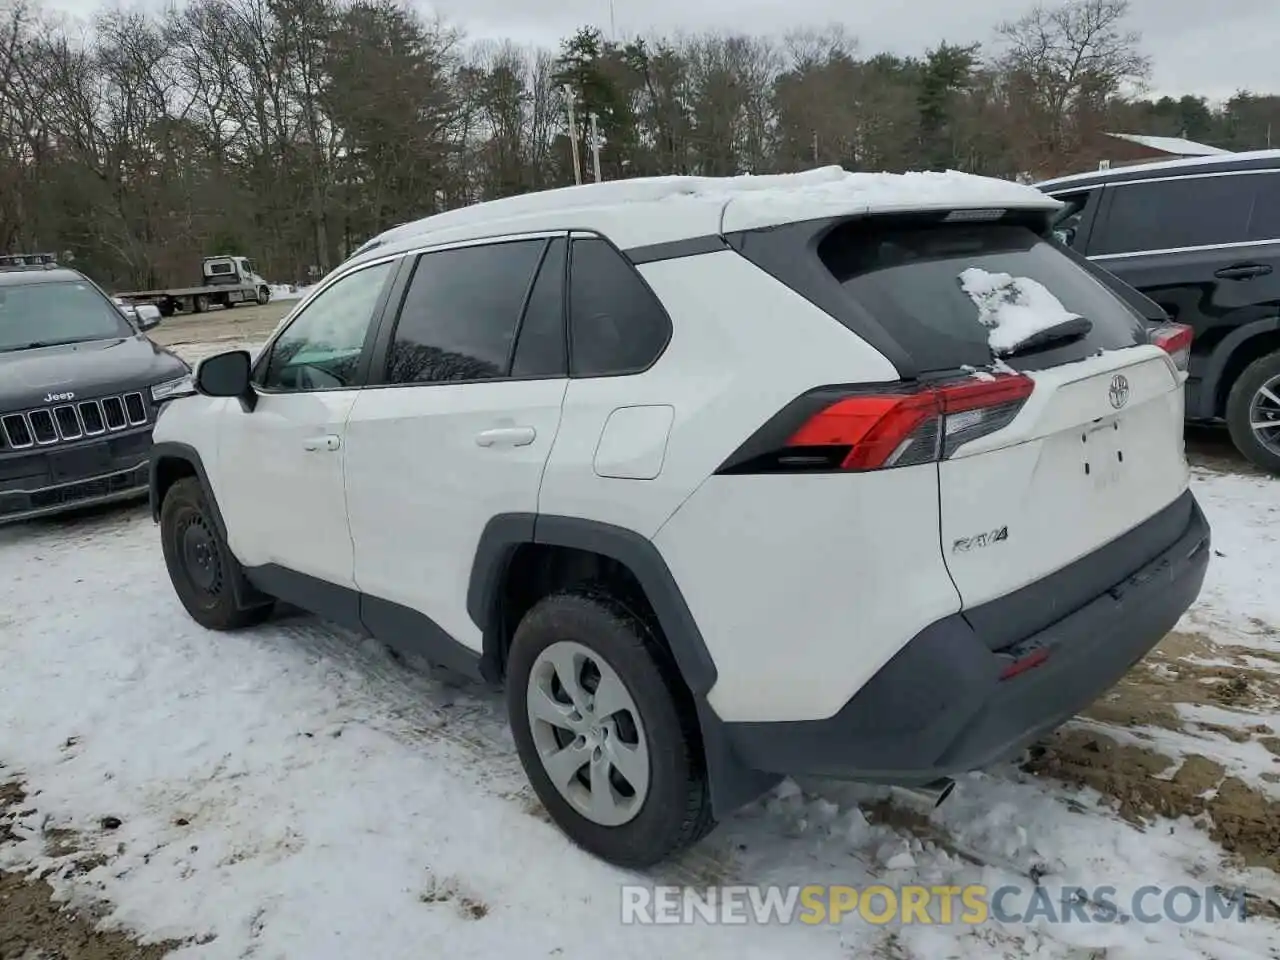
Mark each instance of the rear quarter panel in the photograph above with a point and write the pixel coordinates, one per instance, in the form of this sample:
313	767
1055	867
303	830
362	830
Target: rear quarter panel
743	345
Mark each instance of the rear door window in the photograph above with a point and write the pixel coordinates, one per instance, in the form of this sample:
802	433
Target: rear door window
909	280
1180	212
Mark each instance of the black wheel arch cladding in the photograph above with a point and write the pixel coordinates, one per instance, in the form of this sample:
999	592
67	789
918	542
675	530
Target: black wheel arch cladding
732	782
170	462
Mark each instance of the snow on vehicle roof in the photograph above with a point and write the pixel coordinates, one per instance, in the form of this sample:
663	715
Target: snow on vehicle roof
682	207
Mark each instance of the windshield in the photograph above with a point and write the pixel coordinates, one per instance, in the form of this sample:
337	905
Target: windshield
43	314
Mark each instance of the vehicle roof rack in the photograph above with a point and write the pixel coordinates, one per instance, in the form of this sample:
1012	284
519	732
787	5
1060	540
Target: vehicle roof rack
28	261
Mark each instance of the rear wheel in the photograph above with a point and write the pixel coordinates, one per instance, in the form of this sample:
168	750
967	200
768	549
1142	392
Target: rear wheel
201	567
610	746
1253	412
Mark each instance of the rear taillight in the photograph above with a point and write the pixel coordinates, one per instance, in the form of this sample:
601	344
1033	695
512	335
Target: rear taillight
874	431
1175	340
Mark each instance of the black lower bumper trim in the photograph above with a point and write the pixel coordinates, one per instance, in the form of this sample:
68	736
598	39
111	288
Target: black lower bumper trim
939	707
29	504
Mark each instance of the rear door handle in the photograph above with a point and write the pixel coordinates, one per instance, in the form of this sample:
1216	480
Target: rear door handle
1243	271
328	442
506	437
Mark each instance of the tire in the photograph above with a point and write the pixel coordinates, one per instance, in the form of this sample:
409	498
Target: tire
264	296
200	303
203	571
1247	401
589	625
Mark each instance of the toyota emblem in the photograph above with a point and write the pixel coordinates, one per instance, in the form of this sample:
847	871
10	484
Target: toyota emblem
1119	392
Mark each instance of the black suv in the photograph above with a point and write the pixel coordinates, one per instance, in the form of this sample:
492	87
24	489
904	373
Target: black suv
80	384
1200	237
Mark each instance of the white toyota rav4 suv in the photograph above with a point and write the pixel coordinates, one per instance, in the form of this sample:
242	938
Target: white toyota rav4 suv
856	475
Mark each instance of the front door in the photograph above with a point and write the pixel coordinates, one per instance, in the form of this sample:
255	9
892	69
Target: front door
281	486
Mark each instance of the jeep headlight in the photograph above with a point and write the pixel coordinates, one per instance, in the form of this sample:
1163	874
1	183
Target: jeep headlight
168	389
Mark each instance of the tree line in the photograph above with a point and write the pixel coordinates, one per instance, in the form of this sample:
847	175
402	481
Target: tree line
292	130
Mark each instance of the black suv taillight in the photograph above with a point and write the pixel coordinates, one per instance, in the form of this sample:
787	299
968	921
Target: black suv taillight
852	429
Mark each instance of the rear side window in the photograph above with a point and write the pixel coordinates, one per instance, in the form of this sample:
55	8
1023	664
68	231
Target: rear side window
1264	221
908	279
1183	212
617	325
459	316
1066	224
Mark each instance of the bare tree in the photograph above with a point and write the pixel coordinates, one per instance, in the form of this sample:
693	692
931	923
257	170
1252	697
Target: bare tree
1064	62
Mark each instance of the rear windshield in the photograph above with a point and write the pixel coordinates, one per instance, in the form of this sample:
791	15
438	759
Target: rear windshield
909	279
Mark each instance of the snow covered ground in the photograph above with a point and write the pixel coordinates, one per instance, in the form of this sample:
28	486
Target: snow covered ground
287	291
293	791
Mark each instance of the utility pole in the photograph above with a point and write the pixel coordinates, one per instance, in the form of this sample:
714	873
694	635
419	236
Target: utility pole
595	147
573	135
815	148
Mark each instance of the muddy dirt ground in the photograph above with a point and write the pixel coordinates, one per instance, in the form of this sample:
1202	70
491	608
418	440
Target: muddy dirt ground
35	927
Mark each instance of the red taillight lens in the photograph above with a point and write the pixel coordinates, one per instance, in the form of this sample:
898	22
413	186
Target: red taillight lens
871	432
1175	340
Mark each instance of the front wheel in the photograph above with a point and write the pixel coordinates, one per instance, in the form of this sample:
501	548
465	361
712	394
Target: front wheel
264	296
1253	412
603	732
201	567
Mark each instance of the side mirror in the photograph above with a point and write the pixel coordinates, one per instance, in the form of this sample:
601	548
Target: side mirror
227	375
148	315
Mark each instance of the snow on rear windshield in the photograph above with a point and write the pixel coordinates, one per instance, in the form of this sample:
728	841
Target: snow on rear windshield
1012	308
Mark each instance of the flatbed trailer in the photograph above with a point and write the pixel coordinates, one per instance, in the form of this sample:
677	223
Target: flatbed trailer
229	282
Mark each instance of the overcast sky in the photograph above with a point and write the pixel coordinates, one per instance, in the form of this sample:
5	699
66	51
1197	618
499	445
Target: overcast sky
1209	48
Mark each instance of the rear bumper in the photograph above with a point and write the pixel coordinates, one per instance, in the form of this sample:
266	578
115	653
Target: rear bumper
940	708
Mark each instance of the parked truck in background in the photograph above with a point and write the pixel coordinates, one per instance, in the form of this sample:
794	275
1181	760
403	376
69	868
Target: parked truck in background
226	281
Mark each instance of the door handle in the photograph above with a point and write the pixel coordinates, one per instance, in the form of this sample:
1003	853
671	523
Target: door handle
1243	271
328	442
506	437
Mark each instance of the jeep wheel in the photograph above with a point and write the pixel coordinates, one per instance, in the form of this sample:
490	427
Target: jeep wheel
608	743
201	567
1253	412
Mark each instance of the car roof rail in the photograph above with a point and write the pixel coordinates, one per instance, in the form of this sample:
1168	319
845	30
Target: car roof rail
28	261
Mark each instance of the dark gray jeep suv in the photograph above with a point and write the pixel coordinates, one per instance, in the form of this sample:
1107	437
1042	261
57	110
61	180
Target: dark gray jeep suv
1200	237
80	384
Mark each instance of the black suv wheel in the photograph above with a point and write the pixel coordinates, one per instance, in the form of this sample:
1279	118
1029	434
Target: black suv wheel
1253	412
201	567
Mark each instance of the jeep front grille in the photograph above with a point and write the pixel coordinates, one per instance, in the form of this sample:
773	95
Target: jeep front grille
46	426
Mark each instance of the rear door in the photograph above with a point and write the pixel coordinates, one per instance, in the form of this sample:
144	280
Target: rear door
456	425
1093	450
1205	248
